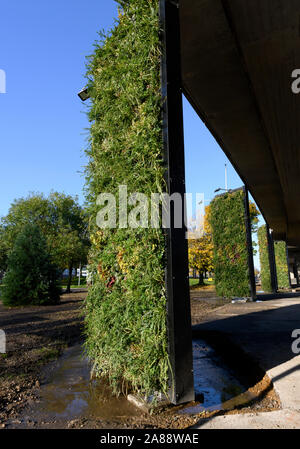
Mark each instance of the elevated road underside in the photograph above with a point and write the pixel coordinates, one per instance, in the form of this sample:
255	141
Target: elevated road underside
237	62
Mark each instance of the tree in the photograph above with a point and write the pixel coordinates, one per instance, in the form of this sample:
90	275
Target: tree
69	242
3	251
69	250
254	214
201	250
61	220
30	278
35	209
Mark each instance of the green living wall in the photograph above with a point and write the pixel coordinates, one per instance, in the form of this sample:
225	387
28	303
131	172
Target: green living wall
280	259
264	259
125	322
230	255
281	265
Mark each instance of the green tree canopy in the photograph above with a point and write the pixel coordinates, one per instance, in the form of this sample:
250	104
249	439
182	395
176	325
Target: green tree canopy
201	250
3	249
30	278
61	220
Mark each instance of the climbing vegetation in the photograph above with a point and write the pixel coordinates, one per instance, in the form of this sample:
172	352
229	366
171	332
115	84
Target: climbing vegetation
125	312
280	259
230	252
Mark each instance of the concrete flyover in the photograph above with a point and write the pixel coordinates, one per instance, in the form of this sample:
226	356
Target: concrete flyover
234	61
237	59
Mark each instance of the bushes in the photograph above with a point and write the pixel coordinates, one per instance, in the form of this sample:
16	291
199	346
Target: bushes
280	259
230	256
30	277
126	306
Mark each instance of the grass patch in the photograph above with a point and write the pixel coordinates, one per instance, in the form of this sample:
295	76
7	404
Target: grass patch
195	282
74	283
75	286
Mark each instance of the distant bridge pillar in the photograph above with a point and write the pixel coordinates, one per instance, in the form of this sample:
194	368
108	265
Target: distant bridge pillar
288	264
249	245
272	261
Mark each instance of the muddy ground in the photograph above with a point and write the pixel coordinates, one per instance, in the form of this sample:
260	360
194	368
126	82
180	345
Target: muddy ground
37	335
34	336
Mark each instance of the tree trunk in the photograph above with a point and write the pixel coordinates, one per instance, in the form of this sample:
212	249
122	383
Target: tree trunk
201	278
79	277
68	289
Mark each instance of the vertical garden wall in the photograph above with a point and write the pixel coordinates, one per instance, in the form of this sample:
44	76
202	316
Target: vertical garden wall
230	254
125	322
281	265
265	274
280	259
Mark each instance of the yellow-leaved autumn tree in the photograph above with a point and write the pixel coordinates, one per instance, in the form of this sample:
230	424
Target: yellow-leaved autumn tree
201	250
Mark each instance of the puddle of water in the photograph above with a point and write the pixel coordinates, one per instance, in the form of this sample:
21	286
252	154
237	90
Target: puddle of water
69	393
215	383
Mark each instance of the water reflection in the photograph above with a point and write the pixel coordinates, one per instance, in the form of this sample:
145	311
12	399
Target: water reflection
216	386
69	393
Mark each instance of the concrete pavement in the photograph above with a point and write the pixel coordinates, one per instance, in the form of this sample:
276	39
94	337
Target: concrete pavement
263	330
281	419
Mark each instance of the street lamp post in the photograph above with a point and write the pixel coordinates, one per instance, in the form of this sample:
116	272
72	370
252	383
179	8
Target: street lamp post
224	190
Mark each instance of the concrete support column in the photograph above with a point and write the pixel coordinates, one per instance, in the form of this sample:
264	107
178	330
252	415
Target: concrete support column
249	245
272	261
288	265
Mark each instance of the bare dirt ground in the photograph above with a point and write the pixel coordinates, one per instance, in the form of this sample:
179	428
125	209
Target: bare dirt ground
34	336
204	300
37	335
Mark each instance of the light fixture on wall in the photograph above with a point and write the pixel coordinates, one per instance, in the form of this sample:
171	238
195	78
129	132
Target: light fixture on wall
84	94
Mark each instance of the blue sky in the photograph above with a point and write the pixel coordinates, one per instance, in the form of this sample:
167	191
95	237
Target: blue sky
42	121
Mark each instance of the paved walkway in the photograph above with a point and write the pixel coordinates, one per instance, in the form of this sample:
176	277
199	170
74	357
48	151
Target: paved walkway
264	331
281	419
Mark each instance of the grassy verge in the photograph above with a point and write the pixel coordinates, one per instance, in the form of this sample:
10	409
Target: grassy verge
64	282
194	282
